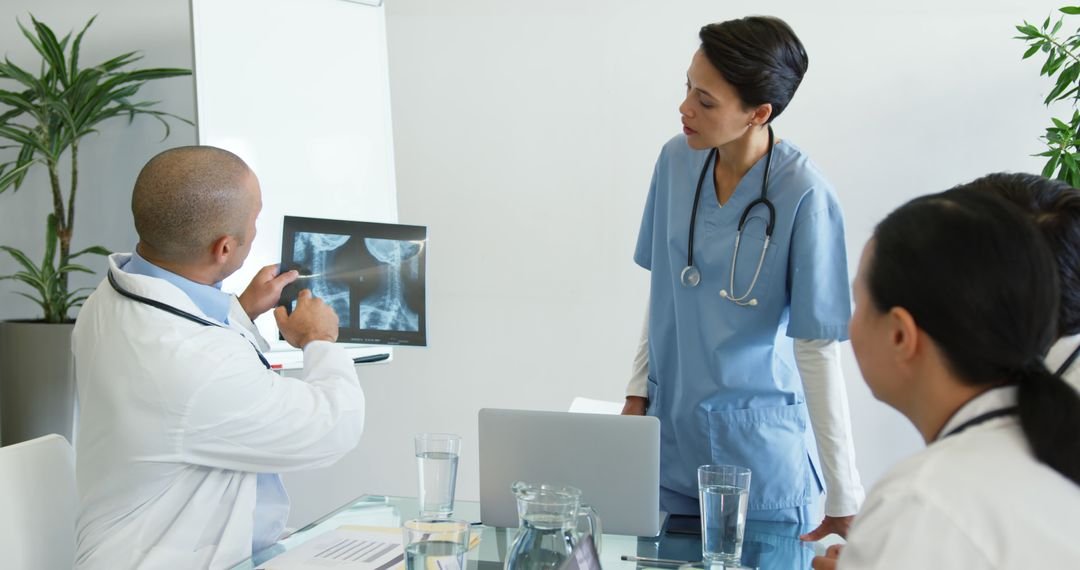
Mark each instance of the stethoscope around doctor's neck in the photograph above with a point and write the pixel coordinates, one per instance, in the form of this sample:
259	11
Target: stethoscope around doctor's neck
690	276
175	311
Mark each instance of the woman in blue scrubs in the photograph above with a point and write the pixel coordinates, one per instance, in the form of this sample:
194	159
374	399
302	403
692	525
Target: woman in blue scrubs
740	358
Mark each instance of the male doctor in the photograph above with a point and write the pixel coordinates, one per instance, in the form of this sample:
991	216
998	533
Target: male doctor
183	426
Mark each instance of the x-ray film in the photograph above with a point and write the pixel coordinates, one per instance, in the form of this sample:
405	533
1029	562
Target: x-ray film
371	275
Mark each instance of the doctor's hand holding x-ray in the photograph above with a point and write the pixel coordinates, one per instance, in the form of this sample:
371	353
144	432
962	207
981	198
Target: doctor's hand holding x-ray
749	292
264	292
311	319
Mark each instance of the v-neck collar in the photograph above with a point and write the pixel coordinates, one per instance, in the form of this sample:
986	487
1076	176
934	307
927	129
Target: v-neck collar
748	188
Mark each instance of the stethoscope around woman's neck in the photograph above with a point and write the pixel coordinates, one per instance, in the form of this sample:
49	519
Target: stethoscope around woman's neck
690	276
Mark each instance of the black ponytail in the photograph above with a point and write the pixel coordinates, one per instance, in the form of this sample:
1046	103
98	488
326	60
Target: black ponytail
980	280
1050	415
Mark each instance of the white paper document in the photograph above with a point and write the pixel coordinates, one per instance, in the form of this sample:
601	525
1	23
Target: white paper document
343	549
590	406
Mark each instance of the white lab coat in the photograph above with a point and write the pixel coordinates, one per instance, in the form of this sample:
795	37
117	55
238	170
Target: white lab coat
976	499
177	419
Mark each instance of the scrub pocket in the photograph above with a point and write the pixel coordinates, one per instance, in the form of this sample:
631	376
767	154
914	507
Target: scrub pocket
771	441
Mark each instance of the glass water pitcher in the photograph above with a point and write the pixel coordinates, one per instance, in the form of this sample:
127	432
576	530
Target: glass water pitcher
551	522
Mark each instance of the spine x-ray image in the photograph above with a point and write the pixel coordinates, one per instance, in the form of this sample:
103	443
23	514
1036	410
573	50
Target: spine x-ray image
371	274
388	307
325	260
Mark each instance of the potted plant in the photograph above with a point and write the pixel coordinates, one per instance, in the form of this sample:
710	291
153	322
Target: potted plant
1062	64
43	118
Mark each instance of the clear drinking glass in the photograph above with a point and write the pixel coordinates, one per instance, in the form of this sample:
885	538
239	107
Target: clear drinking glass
435	543
436	463
723	491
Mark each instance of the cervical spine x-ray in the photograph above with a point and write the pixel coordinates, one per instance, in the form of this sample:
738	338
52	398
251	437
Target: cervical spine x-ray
371	275
387	309
318	254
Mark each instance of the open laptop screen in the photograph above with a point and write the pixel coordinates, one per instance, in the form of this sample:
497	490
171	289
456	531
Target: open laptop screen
614	460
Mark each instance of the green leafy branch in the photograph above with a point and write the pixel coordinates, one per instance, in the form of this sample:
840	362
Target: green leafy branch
1062	64
45	115
45	279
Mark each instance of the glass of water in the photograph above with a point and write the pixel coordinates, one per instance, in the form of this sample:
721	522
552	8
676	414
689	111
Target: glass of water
435	543
723	491
436	463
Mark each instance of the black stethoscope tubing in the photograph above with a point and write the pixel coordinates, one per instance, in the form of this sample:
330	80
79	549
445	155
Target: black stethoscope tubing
1011	410
1068	362
982	418
174	311
763	199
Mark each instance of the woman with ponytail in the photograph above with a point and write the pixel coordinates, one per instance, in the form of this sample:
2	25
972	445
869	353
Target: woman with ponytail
956	303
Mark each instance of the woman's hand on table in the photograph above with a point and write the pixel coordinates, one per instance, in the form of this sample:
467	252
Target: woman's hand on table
831	525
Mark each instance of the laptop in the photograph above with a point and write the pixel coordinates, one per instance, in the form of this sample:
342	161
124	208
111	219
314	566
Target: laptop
614	460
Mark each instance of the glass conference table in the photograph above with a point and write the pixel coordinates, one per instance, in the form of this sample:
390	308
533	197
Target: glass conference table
766	546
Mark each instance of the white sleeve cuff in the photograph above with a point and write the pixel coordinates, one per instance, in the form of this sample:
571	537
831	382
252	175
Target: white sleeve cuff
826	398
325	358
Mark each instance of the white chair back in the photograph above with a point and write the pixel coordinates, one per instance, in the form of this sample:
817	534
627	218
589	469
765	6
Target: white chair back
38	504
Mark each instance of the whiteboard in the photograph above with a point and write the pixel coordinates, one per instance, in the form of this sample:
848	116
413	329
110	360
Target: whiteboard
301	91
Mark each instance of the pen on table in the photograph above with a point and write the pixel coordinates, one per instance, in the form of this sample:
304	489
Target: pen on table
372	358
661	561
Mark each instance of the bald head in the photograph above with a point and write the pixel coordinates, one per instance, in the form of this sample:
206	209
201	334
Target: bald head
187	198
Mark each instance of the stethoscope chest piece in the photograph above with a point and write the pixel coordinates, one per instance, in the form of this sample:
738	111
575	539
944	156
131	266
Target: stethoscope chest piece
690	276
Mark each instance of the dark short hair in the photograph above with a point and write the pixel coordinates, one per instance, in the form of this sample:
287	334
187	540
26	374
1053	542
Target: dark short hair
976	275
760	56
1054	206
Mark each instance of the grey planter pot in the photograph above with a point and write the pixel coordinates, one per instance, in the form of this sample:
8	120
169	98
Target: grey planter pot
37	381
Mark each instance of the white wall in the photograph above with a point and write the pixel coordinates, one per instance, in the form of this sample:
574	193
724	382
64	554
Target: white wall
333	160
525	134
110	160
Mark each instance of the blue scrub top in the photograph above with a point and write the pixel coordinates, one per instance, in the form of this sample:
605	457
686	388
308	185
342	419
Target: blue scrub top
722	377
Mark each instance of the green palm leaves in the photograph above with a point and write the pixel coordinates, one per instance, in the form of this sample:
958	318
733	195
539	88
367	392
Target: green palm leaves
51	294
1063	65
43	116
